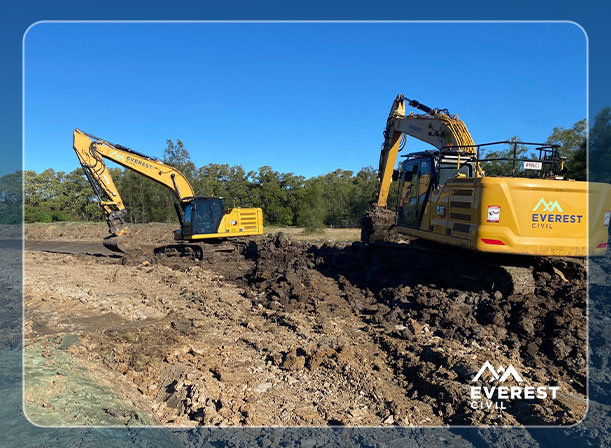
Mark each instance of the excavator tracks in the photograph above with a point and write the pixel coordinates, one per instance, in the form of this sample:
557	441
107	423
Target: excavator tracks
208	251
133	251
510	274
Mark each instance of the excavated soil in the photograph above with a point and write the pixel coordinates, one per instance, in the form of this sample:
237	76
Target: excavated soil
304	333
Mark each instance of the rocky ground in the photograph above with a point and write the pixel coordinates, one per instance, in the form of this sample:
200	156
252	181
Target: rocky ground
296	333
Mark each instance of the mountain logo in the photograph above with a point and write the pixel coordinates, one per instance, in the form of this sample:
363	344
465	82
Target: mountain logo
548	206
117	156
495	393
500	374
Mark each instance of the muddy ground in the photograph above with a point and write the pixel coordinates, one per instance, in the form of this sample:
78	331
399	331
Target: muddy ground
295	333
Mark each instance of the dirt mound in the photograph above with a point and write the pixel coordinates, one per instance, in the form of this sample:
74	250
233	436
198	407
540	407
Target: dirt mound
377	225
319	333
436	319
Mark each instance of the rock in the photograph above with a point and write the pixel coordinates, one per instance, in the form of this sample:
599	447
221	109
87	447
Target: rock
292	361
390	420
281	240
414	327
526	325
262	388
532	349
560	349
560	274
558	321
307	412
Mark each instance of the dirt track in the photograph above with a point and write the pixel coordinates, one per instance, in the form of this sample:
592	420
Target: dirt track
300	333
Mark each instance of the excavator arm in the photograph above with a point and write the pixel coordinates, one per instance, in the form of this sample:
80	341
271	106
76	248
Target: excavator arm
435	127
92	151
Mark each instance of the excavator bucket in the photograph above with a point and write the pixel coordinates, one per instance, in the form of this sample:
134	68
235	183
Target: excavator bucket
127	244
111	242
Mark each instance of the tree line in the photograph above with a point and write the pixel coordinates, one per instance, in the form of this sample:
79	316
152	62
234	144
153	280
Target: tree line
336	199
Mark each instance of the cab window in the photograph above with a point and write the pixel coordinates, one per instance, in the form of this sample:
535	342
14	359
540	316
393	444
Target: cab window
206	216
447	171
188	209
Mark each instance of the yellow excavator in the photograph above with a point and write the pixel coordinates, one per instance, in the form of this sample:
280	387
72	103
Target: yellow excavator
445	197
202	219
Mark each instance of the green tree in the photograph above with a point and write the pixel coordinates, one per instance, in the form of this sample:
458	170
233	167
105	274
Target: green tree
46	197
570	140
572	143
365	185
80	201
275	192
600	147
312	208
212	180
176	155
10	198
504	167
338	190
577	163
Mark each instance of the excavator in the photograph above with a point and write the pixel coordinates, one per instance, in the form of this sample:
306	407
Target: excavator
444	194
206	227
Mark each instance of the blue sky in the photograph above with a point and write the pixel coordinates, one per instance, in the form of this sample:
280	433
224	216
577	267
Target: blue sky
303	98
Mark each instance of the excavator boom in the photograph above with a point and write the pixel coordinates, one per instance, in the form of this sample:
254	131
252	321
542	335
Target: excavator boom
91	152
436	127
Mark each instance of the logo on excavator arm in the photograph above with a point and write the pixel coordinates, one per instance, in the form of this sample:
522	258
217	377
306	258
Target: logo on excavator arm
117	156
548	206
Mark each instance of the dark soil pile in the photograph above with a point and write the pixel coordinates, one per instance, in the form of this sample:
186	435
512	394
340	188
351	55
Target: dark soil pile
438	317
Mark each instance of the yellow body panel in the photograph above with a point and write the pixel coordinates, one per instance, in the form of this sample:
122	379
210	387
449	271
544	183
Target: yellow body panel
237	222
518	216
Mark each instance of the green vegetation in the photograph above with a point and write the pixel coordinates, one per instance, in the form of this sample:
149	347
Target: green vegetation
337	199
600	147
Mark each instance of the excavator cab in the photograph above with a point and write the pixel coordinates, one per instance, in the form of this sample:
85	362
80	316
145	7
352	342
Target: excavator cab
421	173
202	216
206	218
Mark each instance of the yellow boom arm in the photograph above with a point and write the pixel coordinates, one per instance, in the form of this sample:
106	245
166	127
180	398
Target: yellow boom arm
436	127
92	150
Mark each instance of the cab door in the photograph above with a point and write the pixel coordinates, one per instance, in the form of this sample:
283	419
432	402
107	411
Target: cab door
407	211
413	192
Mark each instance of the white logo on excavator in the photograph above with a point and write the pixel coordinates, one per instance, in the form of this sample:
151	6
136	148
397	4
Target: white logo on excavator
548	206
117	155
496	373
